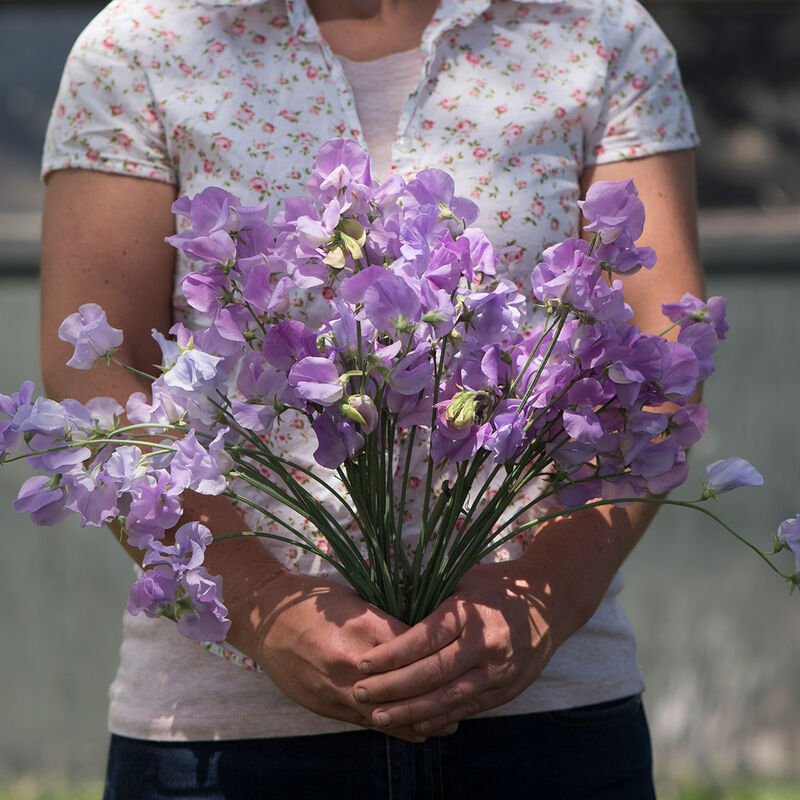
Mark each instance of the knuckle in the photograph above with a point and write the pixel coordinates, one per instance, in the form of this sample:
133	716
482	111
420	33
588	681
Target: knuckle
453	696
434	671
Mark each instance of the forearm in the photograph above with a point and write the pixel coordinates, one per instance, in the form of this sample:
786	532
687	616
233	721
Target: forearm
575	558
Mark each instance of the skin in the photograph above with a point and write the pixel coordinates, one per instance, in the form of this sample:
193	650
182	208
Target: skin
319	642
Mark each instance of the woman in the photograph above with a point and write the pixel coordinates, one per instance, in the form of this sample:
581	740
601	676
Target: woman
527	104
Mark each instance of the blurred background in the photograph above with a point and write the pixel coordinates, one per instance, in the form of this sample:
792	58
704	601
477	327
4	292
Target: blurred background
719	635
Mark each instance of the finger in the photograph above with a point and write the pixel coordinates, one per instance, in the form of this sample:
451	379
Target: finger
426	637
418	678
451	703
439	726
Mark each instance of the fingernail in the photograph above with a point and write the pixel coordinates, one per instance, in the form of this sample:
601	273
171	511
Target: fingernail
451	728
383	719
422	726
365	668
361	695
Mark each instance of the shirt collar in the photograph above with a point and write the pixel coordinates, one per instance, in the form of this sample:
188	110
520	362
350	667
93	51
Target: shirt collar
449	14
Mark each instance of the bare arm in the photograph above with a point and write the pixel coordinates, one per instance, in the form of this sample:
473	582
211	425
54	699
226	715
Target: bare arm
102	242
489	641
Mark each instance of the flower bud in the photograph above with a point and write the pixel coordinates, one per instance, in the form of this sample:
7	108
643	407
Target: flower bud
361	409
466	407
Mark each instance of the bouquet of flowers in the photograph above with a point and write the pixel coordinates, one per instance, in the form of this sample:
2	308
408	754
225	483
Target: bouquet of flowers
500	405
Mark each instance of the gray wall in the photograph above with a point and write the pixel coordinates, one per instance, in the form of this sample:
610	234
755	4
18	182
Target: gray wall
719	634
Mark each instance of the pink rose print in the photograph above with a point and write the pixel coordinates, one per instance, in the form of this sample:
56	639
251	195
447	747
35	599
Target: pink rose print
464	126
311	72
259	184
245	114
268	127
473	58
115	111
480	152
216	48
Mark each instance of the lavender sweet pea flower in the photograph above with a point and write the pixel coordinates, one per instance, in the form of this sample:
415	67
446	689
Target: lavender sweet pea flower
434	187
336	440
206	620
214	209
200	468
46	417
692	309
92	336
613	209
188	552
155	507
390	303
728	474
44	502
92	497
126	467
11	404
204	291
316	379
341	168
566	274
193	373
288	341
414	372
789	536
216	248
153	592
625	260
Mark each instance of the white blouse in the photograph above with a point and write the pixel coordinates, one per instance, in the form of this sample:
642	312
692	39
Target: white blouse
514	98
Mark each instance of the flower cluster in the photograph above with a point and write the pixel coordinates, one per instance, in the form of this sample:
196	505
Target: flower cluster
419	336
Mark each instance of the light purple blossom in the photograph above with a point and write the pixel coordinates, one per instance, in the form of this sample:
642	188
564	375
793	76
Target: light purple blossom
200	468
44	502
728	474
693	309
153	592
613	210
316	379
188	551
89	331
789	536
206	618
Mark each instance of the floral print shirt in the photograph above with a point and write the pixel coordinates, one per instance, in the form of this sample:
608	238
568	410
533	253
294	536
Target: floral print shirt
514	98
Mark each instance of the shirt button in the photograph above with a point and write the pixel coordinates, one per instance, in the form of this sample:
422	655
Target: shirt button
404	144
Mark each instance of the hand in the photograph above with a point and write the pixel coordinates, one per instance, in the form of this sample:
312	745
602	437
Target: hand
481	648
312	637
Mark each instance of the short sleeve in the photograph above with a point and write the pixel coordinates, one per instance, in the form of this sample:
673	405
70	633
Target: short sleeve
644	109
105	117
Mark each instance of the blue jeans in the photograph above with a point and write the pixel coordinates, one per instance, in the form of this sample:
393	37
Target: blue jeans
597	752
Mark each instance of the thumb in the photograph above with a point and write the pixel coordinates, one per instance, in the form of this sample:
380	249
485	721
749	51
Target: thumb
433	633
